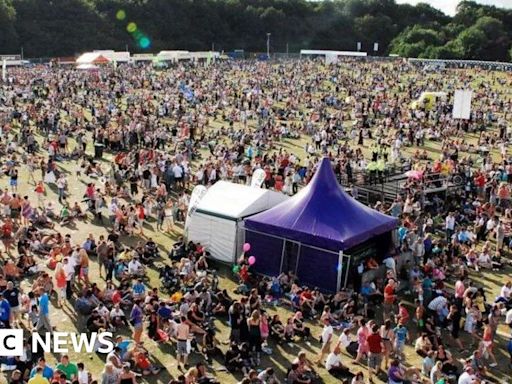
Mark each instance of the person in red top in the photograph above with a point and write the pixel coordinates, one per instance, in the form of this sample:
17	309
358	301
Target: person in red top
89	191
403	314
7	228
480	183
306	301
244	273
141	216
375	351
284	162
389	298
437	166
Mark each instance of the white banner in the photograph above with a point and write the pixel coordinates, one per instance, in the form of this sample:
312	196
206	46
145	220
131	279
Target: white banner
358	45
462	104
257	178
331	58
375	47
197	194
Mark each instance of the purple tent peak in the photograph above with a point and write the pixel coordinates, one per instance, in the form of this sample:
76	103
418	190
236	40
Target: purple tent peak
323	215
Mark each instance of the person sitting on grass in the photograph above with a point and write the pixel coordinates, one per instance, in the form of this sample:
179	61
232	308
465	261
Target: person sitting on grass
335	367
294	377
64	216
298	326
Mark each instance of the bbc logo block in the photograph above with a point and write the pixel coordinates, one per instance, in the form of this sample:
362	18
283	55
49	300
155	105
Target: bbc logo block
11	342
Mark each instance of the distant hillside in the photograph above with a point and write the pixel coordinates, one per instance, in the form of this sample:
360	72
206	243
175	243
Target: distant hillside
65	27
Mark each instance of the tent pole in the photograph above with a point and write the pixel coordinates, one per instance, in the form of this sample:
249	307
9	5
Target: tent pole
235	251
282	256
340	270
348	269
298	259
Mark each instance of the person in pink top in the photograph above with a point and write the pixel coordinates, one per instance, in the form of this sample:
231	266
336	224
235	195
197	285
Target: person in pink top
362	335
460	288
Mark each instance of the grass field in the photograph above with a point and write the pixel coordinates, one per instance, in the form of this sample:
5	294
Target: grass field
164	354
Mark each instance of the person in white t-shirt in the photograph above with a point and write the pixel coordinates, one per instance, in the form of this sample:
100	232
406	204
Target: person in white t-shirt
83	375
333	364
390	264
449	225
467	377
135	267
484	260
508	318
506	291
69	269
327	335
177	171
117	316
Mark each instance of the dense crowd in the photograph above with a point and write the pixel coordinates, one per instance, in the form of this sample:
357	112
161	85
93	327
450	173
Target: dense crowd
166	131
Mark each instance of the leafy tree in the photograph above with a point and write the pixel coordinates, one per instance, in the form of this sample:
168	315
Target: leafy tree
8	35
414	41
472	40
451	50
66	27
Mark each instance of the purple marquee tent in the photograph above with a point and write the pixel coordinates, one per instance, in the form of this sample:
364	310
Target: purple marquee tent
306	233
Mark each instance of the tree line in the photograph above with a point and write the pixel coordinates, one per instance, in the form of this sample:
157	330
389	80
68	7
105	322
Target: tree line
48	28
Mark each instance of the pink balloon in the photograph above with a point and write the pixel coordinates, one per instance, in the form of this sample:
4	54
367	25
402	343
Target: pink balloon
252	260
247	247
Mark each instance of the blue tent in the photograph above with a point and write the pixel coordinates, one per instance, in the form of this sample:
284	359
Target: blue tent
306	233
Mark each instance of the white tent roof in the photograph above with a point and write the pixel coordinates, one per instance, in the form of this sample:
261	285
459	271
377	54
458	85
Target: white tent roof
87	58
119	56
237	201
173	55
322	52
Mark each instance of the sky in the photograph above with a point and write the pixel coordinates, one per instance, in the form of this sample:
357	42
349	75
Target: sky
448	6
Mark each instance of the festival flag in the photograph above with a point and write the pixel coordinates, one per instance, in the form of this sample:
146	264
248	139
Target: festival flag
258	177
209	58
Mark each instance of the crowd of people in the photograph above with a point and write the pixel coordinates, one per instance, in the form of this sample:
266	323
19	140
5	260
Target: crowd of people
115	150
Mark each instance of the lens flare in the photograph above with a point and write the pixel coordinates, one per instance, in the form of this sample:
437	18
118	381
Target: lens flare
144	42
121	14
131	27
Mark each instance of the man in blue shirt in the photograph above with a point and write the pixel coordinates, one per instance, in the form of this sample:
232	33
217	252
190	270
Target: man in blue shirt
47	370
164	311
5	311
401	336
44	312
138	289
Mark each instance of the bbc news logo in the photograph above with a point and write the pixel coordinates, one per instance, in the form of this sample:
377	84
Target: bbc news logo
11	342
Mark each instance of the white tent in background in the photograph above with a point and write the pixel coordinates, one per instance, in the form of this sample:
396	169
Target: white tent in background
87	58
331	54
204	55
217	222
173	55
117	56
110	56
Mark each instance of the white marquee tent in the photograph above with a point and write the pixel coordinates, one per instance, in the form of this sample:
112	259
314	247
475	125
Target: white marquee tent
217	222
92	57
327	53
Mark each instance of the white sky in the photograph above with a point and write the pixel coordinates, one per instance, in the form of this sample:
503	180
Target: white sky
448	6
